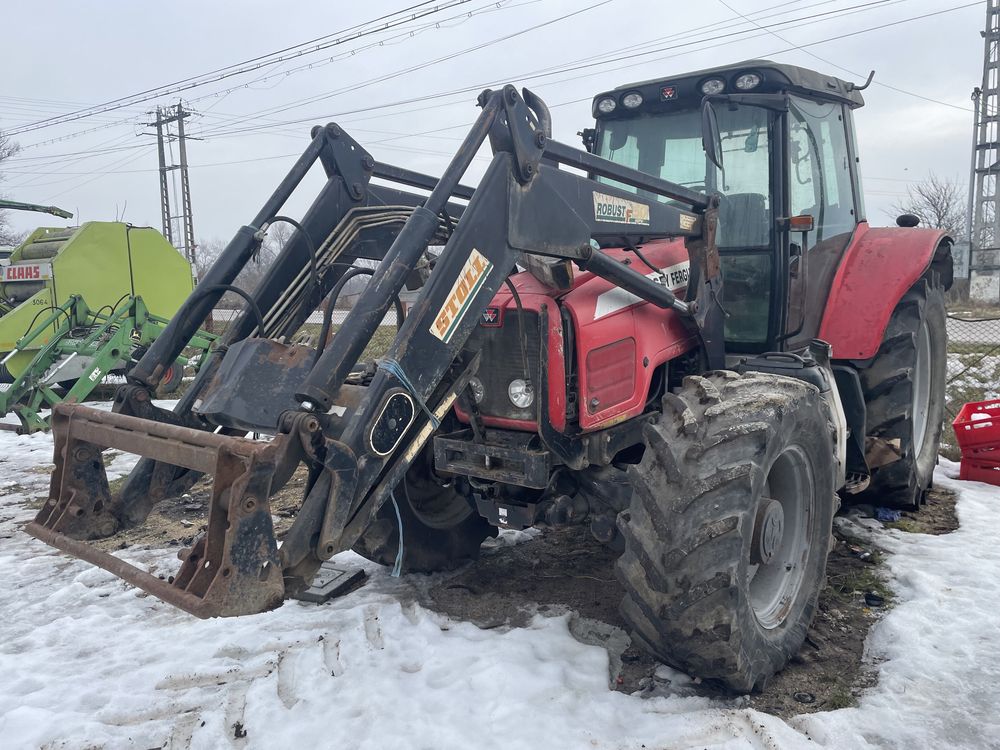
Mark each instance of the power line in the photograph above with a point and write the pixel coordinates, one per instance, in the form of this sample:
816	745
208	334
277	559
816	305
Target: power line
717	41
492	6
841	67
435	61
620	67
246	66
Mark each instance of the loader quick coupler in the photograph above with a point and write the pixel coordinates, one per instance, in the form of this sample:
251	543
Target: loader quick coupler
233	569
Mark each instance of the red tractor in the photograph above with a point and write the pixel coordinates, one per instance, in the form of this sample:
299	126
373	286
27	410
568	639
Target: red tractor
686	336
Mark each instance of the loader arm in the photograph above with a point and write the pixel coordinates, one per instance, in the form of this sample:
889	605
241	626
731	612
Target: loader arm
357	440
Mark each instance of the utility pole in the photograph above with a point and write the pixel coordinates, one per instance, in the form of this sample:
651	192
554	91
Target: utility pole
984	265
164	117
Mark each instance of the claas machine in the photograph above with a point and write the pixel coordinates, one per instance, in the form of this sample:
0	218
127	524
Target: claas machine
685	336
79	303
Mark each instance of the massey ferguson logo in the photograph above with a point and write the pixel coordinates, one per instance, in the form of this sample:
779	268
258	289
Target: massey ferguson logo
27	272
470	280
617	210
490	318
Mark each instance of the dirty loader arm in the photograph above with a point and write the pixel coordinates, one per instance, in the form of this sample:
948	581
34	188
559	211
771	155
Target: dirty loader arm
356	440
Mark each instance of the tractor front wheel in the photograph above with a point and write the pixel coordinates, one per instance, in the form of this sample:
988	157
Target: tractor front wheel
728	531
441	529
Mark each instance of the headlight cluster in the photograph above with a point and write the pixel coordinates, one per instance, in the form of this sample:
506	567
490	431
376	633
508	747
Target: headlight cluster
608	104
745	81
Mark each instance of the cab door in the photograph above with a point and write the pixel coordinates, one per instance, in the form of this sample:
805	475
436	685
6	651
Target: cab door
819	179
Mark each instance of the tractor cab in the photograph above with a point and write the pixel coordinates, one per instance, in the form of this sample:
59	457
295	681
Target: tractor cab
786	174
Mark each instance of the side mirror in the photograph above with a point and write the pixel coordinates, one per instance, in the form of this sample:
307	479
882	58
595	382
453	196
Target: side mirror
619	137
711	139
907	220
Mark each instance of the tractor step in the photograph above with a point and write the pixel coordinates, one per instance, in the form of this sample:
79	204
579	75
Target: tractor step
233	569
332	580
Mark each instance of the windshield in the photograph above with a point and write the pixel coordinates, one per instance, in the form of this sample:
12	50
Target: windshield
669	146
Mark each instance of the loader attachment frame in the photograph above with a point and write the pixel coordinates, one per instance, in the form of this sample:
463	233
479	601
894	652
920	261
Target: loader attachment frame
358	440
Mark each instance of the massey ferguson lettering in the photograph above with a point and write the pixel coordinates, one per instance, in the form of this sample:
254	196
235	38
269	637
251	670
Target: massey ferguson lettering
470	280
677	276
27	272
615	210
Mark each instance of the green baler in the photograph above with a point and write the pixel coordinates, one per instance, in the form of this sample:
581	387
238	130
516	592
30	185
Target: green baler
103	262
78	303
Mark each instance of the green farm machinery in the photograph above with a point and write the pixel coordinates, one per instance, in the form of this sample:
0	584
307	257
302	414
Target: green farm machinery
80	303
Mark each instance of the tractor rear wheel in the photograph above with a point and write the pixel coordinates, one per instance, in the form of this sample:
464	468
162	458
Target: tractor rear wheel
904	389
441	529
728	531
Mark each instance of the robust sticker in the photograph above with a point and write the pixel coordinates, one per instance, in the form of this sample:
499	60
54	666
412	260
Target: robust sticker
615	210
687	222
470	280
674	277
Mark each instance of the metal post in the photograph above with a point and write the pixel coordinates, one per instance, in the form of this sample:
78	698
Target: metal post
185	242
188	216
984	263
164	187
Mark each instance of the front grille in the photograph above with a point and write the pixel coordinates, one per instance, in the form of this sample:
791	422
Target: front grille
502	362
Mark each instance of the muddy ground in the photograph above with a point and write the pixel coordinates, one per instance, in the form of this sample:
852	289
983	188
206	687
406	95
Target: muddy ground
566	570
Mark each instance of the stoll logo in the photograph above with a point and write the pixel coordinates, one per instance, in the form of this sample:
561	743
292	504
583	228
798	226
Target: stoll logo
470	280
615	210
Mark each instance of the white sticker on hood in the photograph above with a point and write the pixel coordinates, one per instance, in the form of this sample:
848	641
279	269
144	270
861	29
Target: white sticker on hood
613	300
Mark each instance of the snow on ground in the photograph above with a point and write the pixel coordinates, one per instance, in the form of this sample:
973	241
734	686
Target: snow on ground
88	662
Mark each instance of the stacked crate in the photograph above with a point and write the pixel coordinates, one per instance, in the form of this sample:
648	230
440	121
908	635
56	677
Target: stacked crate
977	429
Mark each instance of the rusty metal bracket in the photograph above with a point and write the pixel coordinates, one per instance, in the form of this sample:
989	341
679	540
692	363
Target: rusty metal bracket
233	569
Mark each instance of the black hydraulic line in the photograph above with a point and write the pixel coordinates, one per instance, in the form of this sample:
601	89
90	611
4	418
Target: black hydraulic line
34	320
251	302
313	255
196	308
632	281
520	329
331	302
639	254
364	318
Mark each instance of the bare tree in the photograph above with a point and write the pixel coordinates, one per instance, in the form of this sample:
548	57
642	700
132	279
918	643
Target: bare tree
937	203
7	234
251	275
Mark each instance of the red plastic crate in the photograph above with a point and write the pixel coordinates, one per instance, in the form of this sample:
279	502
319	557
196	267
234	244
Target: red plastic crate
977	430
977	470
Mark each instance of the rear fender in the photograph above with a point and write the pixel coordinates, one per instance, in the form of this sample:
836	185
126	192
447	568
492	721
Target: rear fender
877	269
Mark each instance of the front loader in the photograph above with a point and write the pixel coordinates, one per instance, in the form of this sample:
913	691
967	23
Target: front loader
571	357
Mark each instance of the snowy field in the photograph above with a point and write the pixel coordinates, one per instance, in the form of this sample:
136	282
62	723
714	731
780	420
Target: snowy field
87	662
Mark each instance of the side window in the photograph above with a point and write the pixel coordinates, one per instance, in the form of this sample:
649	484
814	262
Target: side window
745	211
819	167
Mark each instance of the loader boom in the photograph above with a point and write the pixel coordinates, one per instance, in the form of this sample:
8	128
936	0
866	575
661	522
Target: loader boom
357	440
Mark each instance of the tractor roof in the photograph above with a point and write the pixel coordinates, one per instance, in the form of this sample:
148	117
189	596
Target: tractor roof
774	76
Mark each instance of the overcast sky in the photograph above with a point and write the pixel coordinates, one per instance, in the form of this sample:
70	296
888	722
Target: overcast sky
59	55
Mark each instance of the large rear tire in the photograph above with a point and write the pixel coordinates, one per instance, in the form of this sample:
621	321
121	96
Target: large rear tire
441	529
904	390
728	531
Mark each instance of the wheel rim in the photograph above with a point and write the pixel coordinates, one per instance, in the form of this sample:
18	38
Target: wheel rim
921	388
780	540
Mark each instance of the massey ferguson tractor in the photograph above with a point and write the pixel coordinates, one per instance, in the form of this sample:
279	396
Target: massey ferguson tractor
685	336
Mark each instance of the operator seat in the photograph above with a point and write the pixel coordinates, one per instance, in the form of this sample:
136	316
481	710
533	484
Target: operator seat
744	220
